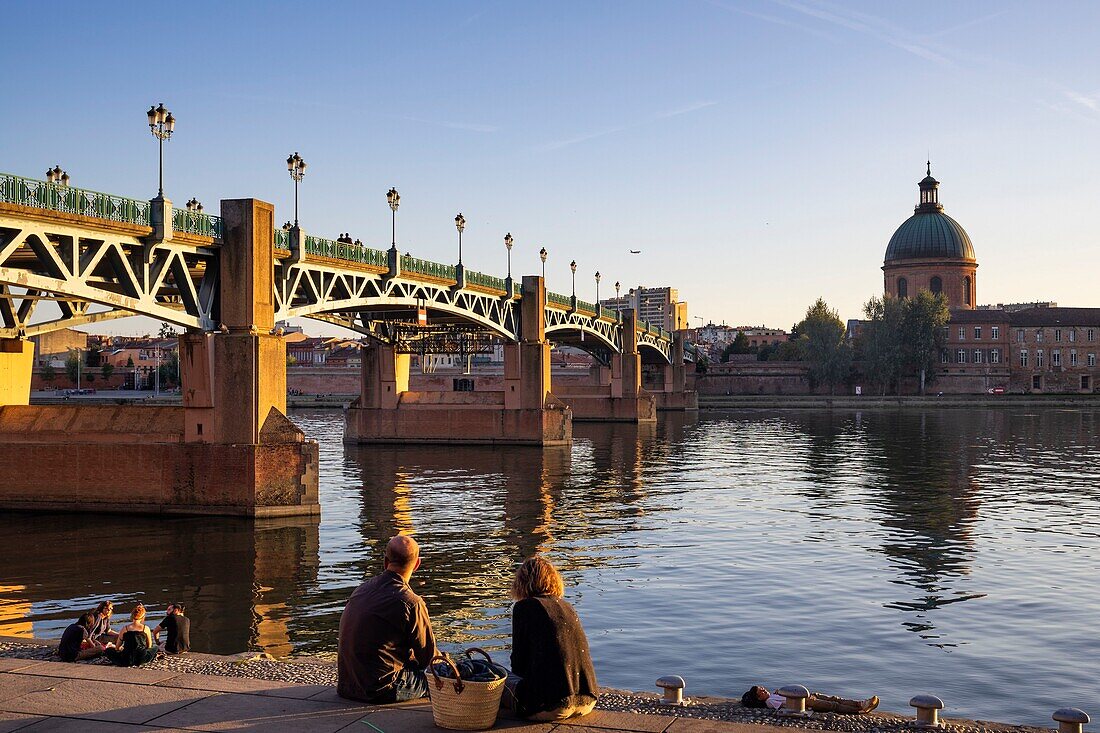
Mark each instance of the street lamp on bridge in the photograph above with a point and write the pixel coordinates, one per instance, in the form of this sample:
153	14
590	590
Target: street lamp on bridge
542	256
597	287
297	168
460	225
616	292
508	246
393	198
162	124
573	269
58	176
194	205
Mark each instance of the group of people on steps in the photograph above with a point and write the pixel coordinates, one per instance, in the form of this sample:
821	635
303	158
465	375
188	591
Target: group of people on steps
133	645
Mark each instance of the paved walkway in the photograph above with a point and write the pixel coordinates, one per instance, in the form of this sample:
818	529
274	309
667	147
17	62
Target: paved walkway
83	698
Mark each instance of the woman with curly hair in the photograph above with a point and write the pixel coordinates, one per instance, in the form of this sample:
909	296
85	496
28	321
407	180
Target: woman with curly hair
552	675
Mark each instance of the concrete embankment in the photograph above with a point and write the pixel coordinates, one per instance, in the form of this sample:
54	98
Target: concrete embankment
248	691
808	402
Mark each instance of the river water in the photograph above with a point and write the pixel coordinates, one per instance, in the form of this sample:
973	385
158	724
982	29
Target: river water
880	552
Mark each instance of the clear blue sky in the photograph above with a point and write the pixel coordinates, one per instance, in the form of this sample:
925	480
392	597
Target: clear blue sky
760	153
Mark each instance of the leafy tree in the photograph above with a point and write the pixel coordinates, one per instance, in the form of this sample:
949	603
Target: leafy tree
89	377
739	345
170	370
129	362
72	365
107	370
881	342
821	338
49	373
166	331
924	333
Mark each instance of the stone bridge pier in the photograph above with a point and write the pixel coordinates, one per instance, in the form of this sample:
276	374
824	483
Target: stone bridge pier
524	413
674	395
230	448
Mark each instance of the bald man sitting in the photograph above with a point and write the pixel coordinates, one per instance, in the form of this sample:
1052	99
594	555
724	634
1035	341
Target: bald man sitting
386	640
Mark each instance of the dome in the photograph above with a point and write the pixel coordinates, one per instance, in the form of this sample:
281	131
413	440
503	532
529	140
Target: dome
929	233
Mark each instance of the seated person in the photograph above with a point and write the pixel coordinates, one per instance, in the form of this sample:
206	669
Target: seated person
76	644
101	628
136	645
386	640
178	627
759	697
553	678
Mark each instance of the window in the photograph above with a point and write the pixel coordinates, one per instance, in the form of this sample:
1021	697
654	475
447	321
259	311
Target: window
1056	358
977	333
463	385
903	287
1038	335
1038	358
1072	335
945	356
936	286
995	332
1023	357
1073	358
1086	383
1037	382
1058	335
1091	333
966	284
977	356
962	356
1092	360
994	356
962	333
1019	335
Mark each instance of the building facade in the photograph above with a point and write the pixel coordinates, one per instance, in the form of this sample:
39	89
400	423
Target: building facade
655	306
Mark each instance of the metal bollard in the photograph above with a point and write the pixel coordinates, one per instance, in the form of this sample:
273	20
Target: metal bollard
928	711
794	703
673	689
1070	720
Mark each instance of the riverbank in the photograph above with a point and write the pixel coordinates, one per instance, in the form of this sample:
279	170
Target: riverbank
870	402
212	692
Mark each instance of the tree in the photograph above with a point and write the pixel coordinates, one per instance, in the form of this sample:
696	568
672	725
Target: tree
881	342
166	331
170	370
739	345
925	320
821	336
72	365
129	362
107	370
89	377
49	373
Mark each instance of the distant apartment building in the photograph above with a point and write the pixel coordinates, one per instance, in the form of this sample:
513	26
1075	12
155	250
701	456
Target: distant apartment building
54	346
655	306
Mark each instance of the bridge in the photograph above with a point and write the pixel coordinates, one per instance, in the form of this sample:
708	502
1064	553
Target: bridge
228	280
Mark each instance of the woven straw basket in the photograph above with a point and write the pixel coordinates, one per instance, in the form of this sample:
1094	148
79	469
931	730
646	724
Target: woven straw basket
461	704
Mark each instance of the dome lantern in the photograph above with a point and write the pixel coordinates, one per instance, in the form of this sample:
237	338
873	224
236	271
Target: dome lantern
929	193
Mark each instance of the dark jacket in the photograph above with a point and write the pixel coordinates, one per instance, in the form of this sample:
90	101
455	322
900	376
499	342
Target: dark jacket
134	651
384	627
550	652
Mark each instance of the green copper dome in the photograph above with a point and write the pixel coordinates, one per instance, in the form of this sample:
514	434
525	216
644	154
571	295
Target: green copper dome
929	233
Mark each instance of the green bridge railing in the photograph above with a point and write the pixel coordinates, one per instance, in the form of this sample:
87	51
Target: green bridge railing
346	251
427	267
195	222
558	299
484	281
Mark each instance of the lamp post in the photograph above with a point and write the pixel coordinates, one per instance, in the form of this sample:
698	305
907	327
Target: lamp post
297	168
460	225
508	246
194	205
616	292
542	256
162	124
394	200
597	287
58	176
573	269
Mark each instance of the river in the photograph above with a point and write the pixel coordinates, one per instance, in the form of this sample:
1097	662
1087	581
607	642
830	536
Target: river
879	552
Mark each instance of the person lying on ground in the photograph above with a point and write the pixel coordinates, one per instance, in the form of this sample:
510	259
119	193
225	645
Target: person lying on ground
553	677
386	641
760	697
76	643
178	628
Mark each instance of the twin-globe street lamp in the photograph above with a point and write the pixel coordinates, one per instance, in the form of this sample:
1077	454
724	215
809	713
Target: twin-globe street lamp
161	124
573	269
460	225
58	176
508	246
297	168
542	256
394	200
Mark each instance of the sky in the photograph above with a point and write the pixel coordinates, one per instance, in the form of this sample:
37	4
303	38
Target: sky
759	153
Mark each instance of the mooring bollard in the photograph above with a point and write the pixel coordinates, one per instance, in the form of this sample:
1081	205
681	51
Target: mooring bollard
928	711
794	702
673	689
1070	720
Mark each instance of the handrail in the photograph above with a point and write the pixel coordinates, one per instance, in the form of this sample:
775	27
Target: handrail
196	222
485	281
71	200
427	267
558	299
347	251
